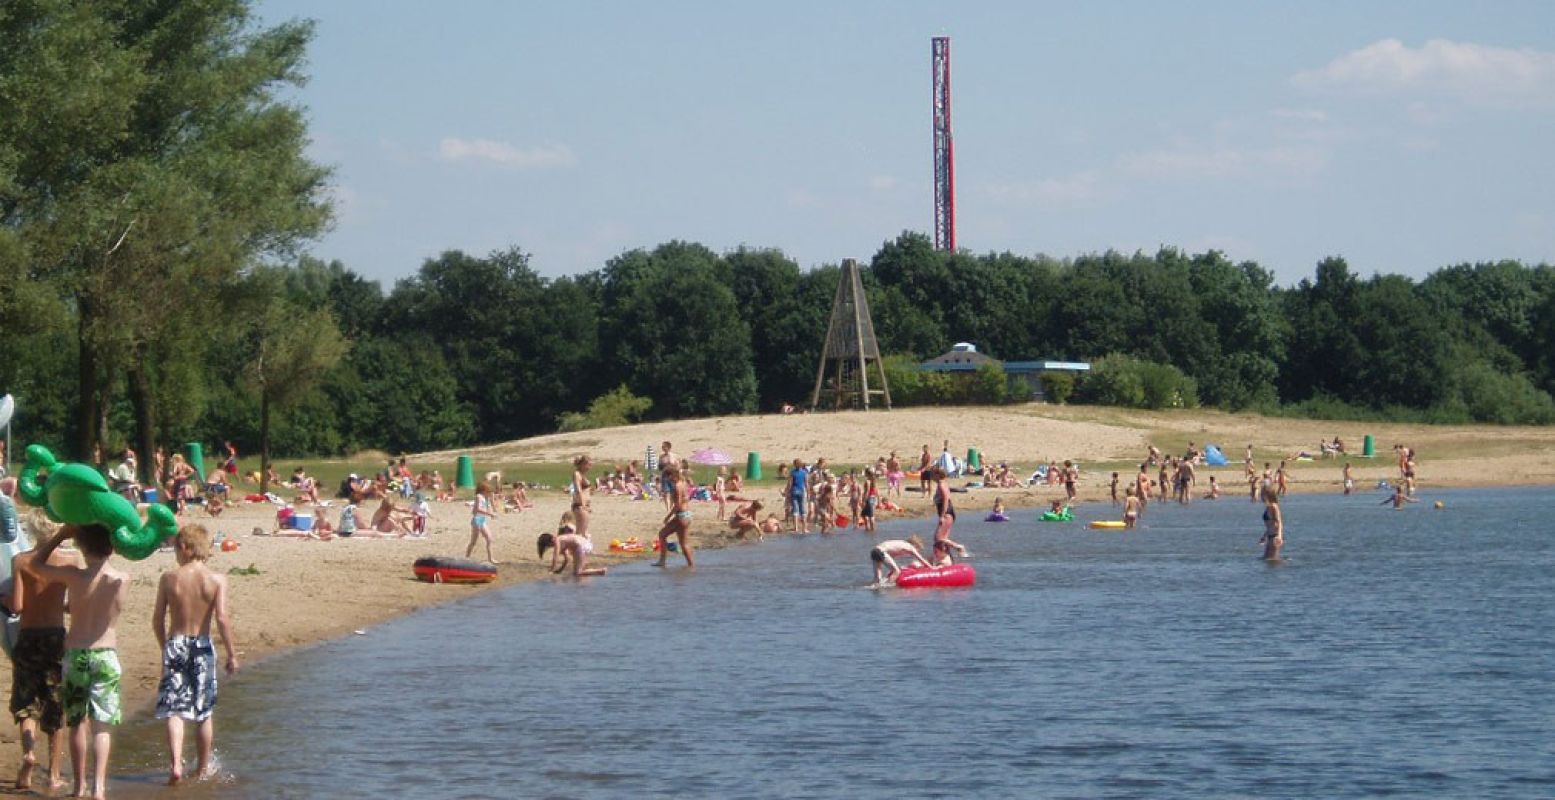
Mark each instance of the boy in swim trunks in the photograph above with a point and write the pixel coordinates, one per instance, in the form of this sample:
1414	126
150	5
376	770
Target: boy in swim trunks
36	660
188	597
89	690
884	557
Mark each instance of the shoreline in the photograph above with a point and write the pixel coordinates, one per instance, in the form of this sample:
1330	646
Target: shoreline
309	592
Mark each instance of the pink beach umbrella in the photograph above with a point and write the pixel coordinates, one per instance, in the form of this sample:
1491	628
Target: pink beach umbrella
711	456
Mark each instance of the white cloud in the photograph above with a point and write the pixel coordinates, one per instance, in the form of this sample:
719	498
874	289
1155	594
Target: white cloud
1080	189
504	154
1474	72
1224	163
1300	114
882	183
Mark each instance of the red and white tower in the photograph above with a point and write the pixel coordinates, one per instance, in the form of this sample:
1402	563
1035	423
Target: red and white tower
944	151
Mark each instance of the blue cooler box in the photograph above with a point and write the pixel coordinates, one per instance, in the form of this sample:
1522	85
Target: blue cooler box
302	522
149	496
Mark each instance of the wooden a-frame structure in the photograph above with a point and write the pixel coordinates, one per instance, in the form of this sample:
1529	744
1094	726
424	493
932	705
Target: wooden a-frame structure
849	348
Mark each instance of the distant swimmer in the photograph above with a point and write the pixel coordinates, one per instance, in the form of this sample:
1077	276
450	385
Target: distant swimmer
1398	498
884	556
1273	525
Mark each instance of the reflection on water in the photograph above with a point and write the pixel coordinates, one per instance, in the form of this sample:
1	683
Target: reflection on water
1394	652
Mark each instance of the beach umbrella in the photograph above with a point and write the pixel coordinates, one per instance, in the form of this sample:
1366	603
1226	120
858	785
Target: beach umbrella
711	456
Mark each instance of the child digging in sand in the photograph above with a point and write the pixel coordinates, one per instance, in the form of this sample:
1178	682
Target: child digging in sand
188	597
568	544
89	688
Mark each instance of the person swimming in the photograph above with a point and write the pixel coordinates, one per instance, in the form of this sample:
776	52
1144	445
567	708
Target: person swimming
1398	498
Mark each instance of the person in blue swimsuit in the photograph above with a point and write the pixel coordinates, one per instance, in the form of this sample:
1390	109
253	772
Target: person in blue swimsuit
1273	524
481	512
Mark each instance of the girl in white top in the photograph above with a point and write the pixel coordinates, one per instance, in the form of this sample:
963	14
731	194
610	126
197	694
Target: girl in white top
567	545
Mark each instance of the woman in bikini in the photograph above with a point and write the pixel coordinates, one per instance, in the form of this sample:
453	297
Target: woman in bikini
580	493
677	522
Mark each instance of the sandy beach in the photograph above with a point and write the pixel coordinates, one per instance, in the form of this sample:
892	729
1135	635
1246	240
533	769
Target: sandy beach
307	591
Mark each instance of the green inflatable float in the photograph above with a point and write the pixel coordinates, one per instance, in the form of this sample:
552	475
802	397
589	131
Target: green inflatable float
1066	515
77	494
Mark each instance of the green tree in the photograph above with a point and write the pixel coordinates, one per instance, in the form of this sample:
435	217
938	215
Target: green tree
679	338
148	148
295	350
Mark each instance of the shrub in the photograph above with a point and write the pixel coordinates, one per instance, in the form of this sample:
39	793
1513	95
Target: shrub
616	407
988	386
1120	380
1057	387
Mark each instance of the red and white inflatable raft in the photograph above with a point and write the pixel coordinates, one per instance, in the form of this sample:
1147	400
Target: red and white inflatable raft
438	569
936	577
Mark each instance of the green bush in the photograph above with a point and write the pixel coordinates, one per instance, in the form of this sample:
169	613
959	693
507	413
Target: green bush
988	386
1057	387
616	407
1487	394
1120	380
1113	380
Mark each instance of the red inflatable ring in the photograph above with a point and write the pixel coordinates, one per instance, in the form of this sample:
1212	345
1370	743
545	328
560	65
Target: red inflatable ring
936	577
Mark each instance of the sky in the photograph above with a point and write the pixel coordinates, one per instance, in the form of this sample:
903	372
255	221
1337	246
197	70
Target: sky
1402	136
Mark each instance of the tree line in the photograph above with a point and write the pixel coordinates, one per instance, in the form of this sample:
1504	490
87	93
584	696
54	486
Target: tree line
153	290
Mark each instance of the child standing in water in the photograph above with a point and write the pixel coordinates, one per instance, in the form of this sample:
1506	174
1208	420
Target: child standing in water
1273	525
866	513
1131	505
480	516
89	689
188	598
1349	479
1114	488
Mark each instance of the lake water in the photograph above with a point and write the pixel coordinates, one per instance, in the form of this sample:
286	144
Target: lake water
1407	653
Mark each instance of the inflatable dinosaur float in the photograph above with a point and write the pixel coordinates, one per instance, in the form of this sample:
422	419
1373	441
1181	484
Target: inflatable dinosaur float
77	494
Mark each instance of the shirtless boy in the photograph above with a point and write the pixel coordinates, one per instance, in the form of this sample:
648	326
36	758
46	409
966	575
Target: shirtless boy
36	660
188	597
885	553
89	688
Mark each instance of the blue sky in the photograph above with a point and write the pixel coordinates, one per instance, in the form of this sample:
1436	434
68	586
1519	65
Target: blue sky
1403	136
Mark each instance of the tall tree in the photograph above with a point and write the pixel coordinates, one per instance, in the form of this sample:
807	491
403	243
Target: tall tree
295	350
152	153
